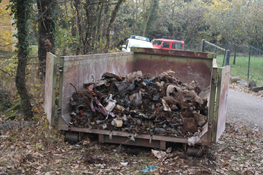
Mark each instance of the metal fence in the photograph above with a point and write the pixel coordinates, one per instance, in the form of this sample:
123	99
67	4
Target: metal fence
210	47
246	60
250	55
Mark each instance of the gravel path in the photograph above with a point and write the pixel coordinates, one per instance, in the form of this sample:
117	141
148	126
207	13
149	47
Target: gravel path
245	109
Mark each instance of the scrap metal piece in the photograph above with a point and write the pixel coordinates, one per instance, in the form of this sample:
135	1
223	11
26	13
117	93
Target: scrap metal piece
72	137
117	122
137	76
189	125
111	103
160	155
159	130
165	106
132	138
136	99
195	139
111	75
121	85
191	151
104	126
200	119
97	106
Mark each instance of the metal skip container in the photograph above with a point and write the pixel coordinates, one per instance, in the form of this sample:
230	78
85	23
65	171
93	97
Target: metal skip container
188	66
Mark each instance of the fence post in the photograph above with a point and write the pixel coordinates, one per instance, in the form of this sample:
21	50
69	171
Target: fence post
227	57
225	54
203	46
248	61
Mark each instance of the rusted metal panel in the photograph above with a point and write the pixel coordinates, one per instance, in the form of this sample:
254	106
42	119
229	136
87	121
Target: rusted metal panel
138	142
138	137
175	53
62	125
187	69
50	83
124	138
87	68
222	94
128	135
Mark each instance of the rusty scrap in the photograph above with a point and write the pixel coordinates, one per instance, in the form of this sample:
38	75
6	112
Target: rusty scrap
142	104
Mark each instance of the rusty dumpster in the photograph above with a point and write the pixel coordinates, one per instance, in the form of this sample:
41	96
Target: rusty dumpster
188	66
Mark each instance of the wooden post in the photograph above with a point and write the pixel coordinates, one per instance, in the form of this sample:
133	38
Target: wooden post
249	53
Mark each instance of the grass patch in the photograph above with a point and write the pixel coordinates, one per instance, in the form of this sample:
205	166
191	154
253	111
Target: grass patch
240	69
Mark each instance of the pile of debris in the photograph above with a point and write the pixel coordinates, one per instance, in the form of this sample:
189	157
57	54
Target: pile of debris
141	104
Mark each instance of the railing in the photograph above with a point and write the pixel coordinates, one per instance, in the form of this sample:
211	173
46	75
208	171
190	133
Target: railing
226	52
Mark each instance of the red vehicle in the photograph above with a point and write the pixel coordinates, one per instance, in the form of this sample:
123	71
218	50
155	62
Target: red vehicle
168	44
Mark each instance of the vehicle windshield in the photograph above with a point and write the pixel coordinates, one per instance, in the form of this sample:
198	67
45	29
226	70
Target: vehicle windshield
138	43
157	42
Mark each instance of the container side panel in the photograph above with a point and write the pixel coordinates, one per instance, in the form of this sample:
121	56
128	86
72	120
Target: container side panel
211	111
222	109
78	70
186	69
50	83
176	53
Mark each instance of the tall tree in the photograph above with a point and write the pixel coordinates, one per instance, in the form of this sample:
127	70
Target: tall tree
151	18
112	19
21	11
229	21
46	31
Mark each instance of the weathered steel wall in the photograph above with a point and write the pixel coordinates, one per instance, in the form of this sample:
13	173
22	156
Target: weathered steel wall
87	68
188	66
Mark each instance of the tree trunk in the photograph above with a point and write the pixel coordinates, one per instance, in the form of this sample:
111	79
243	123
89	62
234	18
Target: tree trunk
46	29
113	16
97	31
235	53
77	5
88	30
94	30
147	20
173	18
23	47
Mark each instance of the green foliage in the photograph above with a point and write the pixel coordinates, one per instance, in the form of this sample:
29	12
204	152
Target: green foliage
238	21
6	104
23	44
66	42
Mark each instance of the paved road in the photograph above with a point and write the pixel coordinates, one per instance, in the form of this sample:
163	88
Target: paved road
244	108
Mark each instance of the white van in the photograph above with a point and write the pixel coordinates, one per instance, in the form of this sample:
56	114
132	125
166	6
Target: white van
136	41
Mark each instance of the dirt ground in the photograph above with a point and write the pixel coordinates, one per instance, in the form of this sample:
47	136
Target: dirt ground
40	149
237	152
